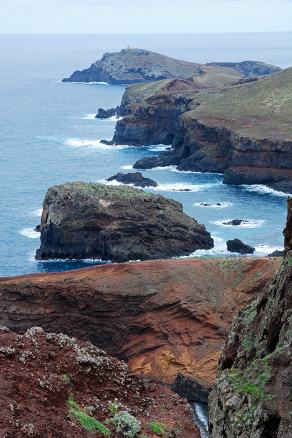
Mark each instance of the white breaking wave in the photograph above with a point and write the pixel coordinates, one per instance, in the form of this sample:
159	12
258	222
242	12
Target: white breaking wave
94	144
113	119
89	83
216	205
171	168
248	223
127	167
89	117
159	147
37	212
182	187
30	233
262	250
219	249
264	190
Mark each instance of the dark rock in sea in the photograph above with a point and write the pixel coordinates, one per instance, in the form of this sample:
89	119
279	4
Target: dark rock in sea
86	220
236	222
276	254
106	113
249	68
135	178
252	393
282	186
133	66
239	247
38	229
149	163
191	389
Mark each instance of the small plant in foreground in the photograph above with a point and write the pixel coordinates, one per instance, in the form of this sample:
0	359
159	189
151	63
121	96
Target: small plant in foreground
126	424
86	421
157	428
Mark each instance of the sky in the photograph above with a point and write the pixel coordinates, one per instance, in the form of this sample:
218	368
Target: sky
144	16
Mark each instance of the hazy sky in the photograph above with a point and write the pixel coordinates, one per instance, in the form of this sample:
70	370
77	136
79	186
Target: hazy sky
127	16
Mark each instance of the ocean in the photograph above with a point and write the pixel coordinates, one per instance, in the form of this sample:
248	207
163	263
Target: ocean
48	135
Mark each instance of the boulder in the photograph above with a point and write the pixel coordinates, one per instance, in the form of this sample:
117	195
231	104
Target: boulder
134	178
85	220
238	246
276	253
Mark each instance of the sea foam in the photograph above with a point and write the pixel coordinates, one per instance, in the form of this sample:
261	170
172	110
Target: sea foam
264	190
214	205
30	233
94	144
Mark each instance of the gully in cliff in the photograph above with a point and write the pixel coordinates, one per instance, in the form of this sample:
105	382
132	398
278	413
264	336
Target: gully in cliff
83	220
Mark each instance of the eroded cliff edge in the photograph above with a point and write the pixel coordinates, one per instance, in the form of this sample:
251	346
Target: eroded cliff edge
163	317
252	394
215	124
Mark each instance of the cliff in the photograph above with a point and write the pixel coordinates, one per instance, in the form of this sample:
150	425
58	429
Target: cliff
252	394
241	130
131	66
86	220
55	386
163	317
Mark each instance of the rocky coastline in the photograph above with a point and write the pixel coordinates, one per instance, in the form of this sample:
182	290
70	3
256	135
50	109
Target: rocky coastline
249	145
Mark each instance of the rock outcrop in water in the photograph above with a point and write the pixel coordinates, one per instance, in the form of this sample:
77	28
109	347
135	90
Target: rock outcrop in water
238	246
242	131
134	178
164	317
252	394
86	220
55	386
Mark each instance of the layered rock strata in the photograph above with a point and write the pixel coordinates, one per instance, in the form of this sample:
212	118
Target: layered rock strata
163	317
86	220
252	394
242	131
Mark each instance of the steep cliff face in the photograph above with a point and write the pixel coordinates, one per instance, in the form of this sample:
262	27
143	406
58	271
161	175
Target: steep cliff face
252	394
163	317
84	220
55	386
241	130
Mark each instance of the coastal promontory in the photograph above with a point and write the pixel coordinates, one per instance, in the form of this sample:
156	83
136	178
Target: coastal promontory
89	220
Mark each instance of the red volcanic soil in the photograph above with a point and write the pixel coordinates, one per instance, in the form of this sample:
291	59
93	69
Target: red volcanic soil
40	371
163	317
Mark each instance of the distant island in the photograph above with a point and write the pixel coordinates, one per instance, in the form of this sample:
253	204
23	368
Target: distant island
130	66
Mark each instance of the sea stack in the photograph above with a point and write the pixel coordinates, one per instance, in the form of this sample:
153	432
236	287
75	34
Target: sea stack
86	220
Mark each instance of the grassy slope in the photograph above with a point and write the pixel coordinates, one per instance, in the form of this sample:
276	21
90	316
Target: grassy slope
261	109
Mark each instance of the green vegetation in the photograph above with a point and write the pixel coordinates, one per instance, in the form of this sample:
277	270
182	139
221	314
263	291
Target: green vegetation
126	424
247	344
289	261
86	421
103	191
247	315
157	428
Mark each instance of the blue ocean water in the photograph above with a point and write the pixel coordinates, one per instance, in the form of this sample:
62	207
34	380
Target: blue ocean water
48	136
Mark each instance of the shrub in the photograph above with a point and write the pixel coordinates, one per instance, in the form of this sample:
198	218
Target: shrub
157	428
86	421
126	424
